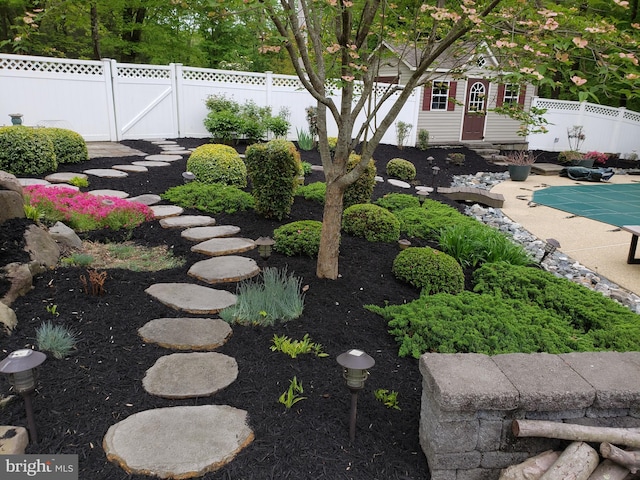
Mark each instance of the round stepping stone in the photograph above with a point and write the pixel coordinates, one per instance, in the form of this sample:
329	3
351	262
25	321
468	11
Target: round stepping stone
178	442
317	168
146	199
164	211
150	163
398	183
163	158
225	269
62	185
64	177
106	173
379	179
186	221
190	375
26	182
109	193
186	333
224	246
199	234
171	146
191	298
163	142
424	189
130	168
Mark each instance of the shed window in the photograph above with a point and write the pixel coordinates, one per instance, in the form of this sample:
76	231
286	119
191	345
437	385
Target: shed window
439	95
511	93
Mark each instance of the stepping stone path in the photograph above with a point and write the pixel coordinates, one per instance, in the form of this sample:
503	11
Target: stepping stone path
26	182
64	177
182	442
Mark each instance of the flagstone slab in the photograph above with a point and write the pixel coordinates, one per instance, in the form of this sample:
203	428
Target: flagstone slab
146	199
164	211
130	168
398	183
26	182
186	221
62	185
163	142
178	442
64	177
224	246
175	152
190	375
224	269
191	298
186	333
199	234
109	193
106	173
150	163
163	158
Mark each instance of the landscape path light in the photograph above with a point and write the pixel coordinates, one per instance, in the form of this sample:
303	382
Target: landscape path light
20	367
188	177
435	170
355	364
430	160
551	246
265	244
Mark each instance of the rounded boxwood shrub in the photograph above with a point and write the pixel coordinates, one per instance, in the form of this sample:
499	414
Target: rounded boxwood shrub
401	169
429	269
26	151
68	145
395	202
216	163
298	238
374	223
361	190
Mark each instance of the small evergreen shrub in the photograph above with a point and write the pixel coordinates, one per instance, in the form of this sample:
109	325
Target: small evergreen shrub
401	169
273	169
456	158
569	156
431	270
224	126
361	190
423	139
69	146
26	151
215	163
374	223
395	202
427	221
415	222
307	168
56	339
298	238
314	191
211	198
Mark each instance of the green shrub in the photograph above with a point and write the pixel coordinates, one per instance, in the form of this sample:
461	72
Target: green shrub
56	339
374	223
401	169
456	158
361	190
423	139
253	129
211	198
277	297
427	221
314	191
279	126
569	156
428	269
305	140
69	146
473	244
307	168
215	163
26	151
298	238
395	202
219	103
224	125
273	169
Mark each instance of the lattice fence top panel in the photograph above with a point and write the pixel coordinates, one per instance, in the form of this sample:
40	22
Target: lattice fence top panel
601	110
291	82
633	116
558	105
51	66
222	77
137	71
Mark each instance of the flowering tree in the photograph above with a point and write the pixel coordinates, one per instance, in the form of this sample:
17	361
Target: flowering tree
338	45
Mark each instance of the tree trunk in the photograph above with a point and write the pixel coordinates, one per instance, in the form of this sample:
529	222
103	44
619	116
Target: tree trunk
628	459
532	468
609	470
327	266
577	462
95	36
567	431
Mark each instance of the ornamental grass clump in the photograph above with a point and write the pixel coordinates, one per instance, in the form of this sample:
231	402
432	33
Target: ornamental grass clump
84	212
56	339
277	297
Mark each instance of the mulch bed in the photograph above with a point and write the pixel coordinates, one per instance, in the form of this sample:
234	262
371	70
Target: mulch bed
80	397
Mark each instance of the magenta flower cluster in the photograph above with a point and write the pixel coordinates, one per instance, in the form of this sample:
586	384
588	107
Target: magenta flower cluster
85	209
597	157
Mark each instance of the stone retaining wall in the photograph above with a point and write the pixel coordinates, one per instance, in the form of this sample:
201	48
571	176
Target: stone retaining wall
469	401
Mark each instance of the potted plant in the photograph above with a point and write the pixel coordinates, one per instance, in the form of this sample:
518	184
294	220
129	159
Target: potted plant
520	164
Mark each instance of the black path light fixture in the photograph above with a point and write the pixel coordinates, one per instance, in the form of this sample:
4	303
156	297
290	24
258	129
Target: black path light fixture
355	364
20	366
430	160
435	170
551	246
188	177
265	245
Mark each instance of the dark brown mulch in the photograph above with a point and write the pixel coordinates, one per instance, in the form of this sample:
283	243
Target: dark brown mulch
100	384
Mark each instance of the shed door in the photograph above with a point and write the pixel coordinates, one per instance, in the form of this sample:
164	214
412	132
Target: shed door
475	110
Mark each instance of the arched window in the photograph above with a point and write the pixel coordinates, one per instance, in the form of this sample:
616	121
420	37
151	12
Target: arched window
477	96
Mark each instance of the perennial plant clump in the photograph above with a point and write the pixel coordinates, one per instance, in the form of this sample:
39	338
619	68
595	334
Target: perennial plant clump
83	211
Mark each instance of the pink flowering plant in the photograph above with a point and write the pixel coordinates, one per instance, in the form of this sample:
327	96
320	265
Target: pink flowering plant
597	157
83	211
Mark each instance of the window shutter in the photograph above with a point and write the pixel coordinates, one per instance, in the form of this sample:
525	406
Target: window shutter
523	95
500	97
426	98
451	105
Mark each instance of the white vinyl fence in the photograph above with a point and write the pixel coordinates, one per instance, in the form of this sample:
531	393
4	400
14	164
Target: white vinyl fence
606	129
109	101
